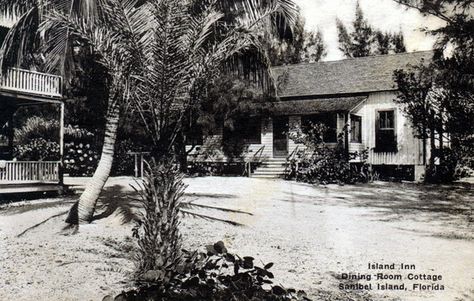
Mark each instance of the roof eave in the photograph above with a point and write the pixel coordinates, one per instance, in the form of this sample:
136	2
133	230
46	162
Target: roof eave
306	96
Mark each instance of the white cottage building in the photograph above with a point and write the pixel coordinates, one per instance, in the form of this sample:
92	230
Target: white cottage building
357	92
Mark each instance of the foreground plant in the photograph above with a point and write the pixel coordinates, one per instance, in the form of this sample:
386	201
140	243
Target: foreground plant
159	241
215	275
164	271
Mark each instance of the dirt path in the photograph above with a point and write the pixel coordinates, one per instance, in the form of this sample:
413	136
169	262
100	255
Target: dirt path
312	234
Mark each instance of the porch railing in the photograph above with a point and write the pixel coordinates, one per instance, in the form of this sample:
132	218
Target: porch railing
256	158
31	82
17	172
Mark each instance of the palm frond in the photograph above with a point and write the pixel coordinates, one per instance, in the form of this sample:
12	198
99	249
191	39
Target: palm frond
16	8
20	41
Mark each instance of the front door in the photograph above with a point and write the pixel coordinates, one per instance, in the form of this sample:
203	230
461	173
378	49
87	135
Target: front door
280	136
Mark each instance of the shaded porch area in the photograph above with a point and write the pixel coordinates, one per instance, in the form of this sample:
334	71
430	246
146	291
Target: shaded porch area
266	141
19	89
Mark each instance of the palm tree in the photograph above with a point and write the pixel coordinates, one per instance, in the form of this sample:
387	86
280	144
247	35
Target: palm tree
154	53
32	33
21	45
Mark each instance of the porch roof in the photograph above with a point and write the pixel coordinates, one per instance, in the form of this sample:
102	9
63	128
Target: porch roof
317	105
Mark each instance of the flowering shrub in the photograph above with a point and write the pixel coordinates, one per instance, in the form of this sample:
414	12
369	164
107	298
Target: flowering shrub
37	149
80	159
36	141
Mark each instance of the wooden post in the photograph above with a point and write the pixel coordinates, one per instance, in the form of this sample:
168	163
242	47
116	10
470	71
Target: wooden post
61	145
136	165
11	134
346	129
141	165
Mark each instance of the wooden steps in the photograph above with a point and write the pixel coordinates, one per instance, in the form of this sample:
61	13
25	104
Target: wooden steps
271	168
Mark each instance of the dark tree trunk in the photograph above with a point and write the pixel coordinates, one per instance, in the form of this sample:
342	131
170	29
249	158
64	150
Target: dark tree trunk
433	146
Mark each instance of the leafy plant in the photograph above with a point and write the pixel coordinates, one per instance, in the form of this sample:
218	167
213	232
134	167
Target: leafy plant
324	164
37	127
217	275
37	149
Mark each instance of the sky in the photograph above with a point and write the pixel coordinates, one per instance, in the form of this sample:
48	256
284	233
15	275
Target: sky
385	15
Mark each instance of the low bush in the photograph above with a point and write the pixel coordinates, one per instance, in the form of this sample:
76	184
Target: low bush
37	149
216	275
200	169
449	169
322	163
37	140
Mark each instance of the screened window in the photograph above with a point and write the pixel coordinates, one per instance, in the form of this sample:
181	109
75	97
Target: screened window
356	129
327	119
386	136
251	130
246	129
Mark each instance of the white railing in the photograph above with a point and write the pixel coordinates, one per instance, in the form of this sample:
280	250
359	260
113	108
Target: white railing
14	172
31	82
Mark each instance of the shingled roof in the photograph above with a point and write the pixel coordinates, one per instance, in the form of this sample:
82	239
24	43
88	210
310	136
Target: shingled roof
317	105
356	75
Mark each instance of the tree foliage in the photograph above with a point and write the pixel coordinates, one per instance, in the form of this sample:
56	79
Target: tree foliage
450	113
364	40
304	46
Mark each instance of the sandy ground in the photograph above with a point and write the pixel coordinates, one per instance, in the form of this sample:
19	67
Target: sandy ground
312	234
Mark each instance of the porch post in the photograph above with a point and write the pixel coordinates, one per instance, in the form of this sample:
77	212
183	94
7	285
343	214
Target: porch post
347	128
11	133
61	144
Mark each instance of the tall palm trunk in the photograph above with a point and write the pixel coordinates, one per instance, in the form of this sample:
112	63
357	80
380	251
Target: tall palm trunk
83	210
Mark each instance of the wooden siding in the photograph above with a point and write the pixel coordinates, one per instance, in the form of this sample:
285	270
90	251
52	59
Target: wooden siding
409	148
211	150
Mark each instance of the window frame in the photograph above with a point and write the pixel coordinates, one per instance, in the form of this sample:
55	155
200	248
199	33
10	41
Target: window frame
323	118
357	139
258	125
384	147
242	128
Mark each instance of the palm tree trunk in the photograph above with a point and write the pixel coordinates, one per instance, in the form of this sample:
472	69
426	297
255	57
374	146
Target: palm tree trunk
83	210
